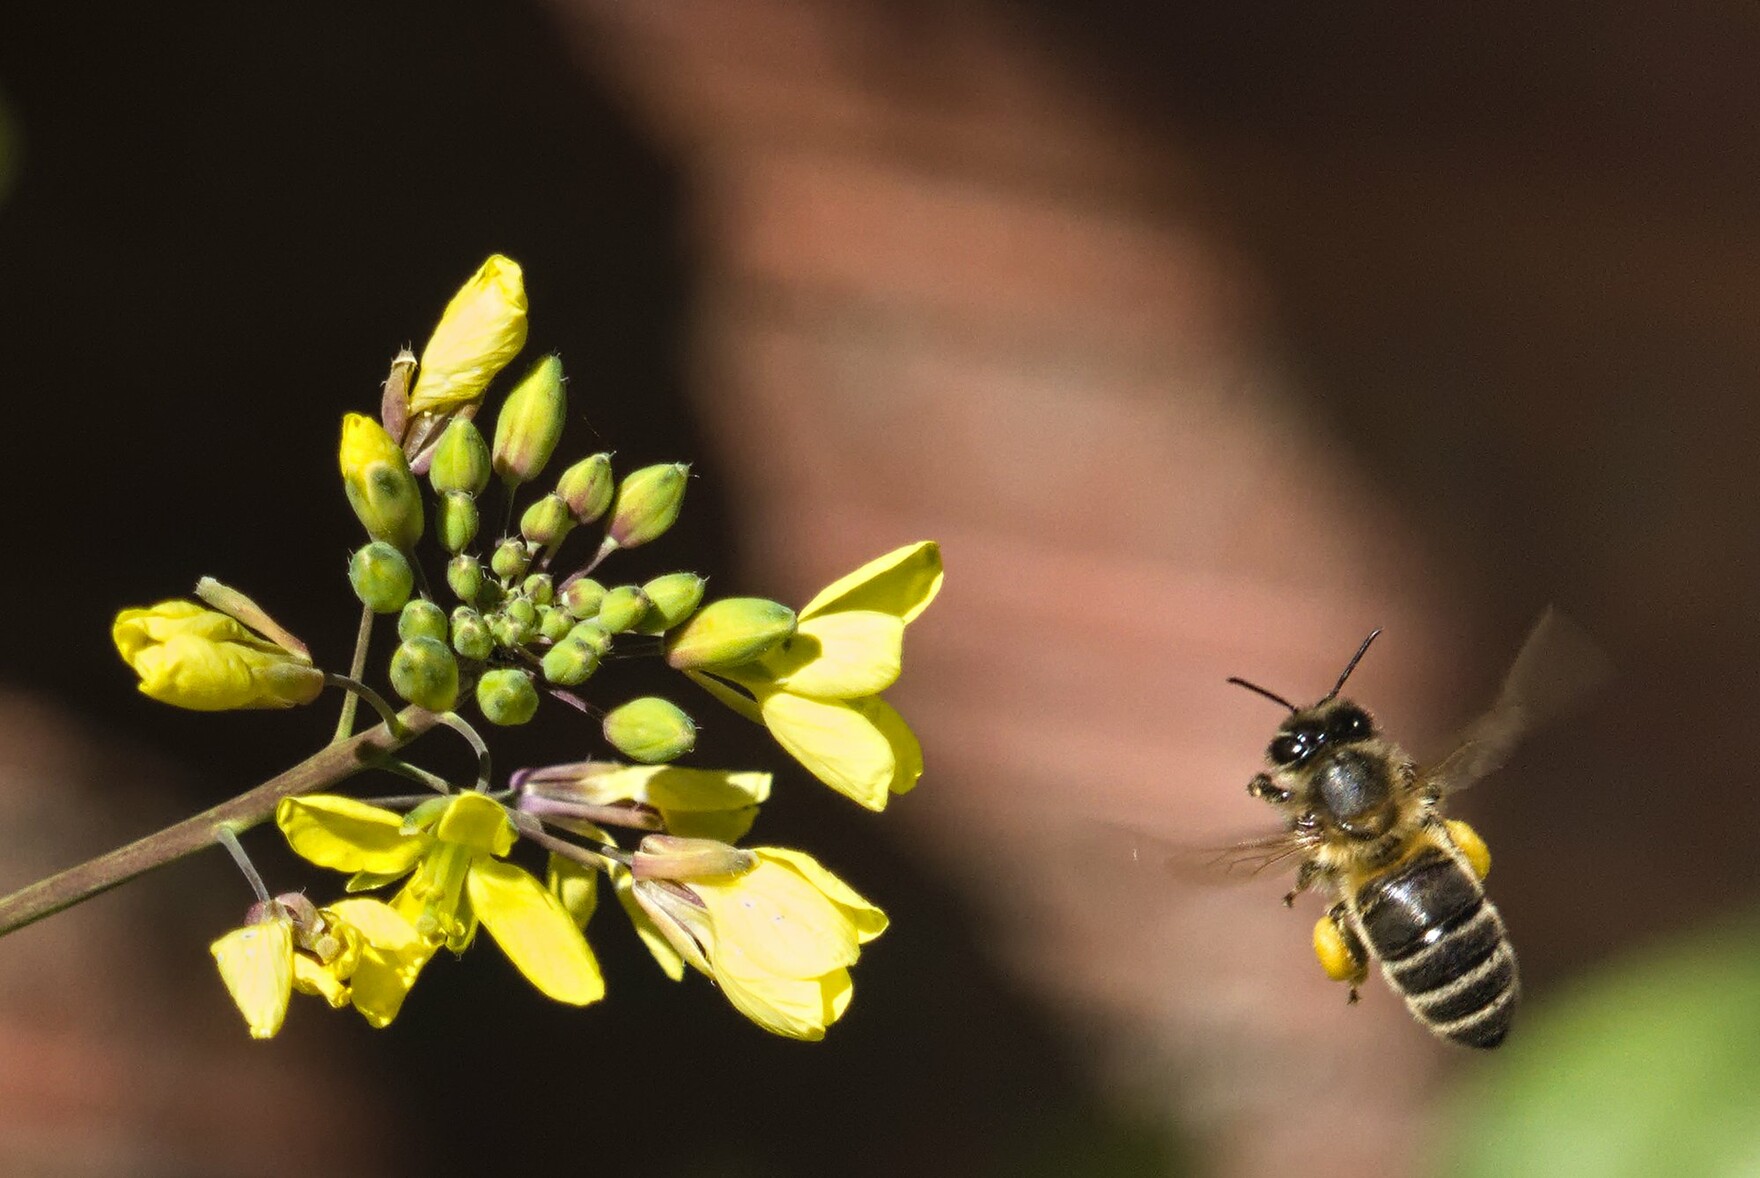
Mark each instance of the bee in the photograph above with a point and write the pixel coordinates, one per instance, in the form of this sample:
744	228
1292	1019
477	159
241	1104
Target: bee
1404	883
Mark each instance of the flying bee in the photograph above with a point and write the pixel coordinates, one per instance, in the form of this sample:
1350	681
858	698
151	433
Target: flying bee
1403	882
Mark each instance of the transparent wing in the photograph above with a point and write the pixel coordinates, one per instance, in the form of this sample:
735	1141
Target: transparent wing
1556	668
1236	861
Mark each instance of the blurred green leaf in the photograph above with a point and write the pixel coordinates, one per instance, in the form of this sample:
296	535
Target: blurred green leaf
1652	1067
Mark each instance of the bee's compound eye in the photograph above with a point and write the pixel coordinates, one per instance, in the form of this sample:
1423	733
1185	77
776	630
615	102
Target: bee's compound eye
1287	749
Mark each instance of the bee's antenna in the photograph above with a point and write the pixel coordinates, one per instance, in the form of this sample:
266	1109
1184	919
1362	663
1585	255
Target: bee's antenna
1271	695
1351	666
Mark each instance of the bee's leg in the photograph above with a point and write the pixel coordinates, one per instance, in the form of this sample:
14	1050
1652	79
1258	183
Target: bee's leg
1305	877
1340	952
1467	841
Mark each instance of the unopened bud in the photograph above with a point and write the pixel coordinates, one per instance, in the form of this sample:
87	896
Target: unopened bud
456	522
464	576
539	588
554	624
665	856
424	672
530	423
421	618
483	327
470	634
674	597
593	634
394	395
506	631
507	697
377	480
586	487
461	459
583	597
546	521
569	662
728	632
647	503
650	730
381	577
511	559
623	607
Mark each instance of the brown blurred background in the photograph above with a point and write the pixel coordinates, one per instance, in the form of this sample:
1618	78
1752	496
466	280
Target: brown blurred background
1205	342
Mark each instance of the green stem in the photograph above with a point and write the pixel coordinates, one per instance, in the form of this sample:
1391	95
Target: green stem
357	667
460	725
323	769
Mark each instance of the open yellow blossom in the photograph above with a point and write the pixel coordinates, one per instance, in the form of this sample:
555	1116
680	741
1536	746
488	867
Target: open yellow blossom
451	852
818	691
256	963
778	938
195	658
482	328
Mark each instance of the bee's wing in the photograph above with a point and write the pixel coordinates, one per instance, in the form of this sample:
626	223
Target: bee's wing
1236	861
1557	666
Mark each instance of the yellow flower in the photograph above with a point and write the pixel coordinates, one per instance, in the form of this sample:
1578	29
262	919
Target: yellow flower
380	486
778	938
697	803
451	850
818	690
373	960
256	963
482	328
195	658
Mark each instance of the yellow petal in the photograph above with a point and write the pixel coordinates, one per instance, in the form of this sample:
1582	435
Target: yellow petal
723	826
772	920
474	821
381	924
667	957
256	963
743	704
907	752
836	742
901	583
384	979
576	885
482	328
311	977
869	921
795	1007
840	655
535	932
192	657
346	835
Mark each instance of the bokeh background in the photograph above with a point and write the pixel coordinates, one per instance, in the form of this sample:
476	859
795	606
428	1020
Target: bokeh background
1205	341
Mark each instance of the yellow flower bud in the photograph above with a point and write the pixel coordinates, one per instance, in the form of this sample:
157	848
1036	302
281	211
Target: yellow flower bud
663	856
622	608
647	504
650	730
482	328
530	423
728	632
377	479
194	658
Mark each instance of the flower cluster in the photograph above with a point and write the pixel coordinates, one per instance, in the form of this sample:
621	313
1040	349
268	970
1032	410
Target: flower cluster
773	928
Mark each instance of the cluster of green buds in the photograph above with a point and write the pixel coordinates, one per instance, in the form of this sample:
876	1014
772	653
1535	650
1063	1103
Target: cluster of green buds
522	611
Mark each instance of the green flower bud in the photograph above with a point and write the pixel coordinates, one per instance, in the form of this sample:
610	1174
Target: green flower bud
506	631
522	612
586	488
421	618
381	577
554	624
424	672
593	634
650	730
647	503
674	597
461	459
456	524
623	607
539	588
464	576
570	662
511	559
377	480
530	423
728	632
470	634
507	697
583	597
546	522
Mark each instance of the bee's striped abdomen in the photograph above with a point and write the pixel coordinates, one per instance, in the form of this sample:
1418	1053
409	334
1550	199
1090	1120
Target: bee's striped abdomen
1442	945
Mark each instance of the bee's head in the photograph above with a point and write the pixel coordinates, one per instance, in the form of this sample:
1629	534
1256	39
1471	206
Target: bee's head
1326	760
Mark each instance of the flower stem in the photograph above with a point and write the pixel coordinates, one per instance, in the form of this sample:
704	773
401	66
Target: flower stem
357	667
325	768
